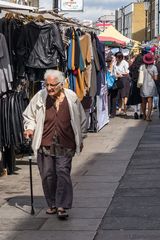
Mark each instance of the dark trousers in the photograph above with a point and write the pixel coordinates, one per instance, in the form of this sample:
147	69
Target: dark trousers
56	180
112	101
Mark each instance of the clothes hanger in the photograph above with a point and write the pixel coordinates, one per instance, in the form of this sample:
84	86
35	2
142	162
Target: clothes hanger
40	18
9	16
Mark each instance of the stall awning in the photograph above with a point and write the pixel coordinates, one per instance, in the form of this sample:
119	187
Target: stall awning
116	36
111	41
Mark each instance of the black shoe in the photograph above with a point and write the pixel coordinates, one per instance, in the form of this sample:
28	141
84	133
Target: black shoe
141	116
135	115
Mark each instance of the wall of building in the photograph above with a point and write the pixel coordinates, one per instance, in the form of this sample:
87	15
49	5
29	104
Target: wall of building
138	22
156	17
152	27
34	3
124	20
109	17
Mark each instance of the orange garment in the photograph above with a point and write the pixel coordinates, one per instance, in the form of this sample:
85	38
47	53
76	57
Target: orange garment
86	45
80	85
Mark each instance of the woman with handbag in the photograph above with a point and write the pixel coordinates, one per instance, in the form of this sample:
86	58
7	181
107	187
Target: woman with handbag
148	89
121	70
134	94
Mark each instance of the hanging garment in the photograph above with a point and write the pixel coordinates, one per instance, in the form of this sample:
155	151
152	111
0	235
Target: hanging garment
41	46
101	53
85	44
12	106
93	88
101	56
5	68
11	28
95	54
75	65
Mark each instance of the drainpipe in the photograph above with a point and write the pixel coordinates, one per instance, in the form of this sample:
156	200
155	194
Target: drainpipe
56	6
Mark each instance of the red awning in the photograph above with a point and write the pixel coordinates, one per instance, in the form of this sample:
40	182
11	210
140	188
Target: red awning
103	24
110	39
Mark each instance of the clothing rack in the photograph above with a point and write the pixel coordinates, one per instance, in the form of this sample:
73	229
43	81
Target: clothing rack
52	16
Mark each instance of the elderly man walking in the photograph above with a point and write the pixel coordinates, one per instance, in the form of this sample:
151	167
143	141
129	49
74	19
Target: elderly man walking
56	122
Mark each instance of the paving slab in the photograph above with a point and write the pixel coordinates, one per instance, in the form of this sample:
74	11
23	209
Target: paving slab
91	202
8	235
143	171
112	171
109	165
98	193
16	211
53	224
39	201
145	155
98	179
148	180
137	192
151	144
88	213
96	185
18	224
128	235
131	223
145	163
56	235
149	149
151	139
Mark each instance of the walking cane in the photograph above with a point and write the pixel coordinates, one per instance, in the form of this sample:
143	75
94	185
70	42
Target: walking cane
30	173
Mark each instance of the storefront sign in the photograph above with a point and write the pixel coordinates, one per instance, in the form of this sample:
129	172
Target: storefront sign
71	5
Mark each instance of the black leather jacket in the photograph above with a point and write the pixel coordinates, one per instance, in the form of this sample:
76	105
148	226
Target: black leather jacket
41	46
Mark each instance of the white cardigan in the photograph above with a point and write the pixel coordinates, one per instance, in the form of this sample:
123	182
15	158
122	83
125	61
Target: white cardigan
34	116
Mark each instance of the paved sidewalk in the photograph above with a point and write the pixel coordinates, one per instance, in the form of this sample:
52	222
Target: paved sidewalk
134	212
96	175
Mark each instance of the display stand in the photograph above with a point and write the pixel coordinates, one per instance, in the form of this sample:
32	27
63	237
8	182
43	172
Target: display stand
102	108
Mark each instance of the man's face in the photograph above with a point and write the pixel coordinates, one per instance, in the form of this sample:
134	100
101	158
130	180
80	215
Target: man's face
53	87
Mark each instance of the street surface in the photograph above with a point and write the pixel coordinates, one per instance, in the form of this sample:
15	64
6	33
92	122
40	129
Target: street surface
116	183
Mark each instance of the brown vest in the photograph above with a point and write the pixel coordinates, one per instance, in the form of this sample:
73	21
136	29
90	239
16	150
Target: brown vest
59	123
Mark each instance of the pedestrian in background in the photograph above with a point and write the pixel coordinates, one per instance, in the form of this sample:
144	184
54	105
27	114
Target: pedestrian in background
157	63
112	93
148	89
121	71
56	122
134	95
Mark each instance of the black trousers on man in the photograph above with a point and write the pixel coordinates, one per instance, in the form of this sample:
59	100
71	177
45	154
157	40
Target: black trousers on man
56	180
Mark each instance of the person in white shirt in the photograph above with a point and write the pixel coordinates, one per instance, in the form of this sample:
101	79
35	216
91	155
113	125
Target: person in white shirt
121	70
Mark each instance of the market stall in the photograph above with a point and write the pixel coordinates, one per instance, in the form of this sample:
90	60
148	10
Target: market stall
76	50
114	36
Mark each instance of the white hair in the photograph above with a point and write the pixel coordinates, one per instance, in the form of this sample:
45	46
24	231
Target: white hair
59	76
